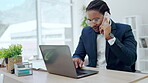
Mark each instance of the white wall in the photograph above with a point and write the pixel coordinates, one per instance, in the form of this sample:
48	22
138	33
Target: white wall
121	8
77	19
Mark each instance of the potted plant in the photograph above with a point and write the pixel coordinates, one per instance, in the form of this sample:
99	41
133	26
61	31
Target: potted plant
11	56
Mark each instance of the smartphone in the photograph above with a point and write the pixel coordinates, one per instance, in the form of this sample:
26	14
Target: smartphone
107	15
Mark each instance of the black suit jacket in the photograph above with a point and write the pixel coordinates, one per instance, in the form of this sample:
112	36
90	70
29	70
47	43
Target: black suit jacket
120	56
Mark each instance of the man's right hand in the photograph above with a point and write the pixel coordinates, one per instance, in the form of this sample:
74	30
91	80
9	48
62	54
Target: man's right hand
77	62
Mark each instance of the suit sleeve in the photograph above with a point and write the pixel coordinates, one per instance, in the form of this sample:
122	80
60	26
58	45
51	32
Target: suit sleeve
125	51
80	50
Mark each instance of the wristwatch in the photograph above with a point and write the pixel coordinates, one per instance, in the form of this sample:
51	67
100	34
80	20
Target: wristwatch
111	35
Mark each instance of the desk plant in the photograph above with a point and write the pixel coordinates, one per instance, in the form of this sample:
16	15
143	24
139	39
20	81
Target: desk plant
11	56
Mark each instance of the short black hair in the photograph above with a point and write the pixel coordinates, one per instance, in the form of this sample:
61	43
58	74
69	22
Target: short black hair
98	5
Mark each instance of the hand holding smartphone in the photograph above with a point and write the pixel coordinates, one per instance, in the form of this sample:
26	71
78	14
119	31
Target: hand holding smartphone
105	22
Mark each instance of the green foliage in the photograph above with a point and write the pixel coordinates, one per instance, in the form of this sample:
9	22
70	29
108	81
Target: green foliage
12	51
3	53
84	23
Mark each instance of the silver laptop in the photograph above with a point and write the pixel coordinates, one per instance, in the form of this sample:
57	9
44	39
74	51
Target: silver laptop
58	61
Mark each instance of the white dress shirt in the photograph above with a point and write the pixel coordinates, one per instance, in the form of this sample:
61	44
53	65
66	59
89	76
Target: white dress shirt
101	46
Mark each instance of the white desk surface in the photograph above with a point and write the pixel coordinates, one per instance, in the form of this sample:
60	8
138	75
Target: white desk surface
104	76
145	80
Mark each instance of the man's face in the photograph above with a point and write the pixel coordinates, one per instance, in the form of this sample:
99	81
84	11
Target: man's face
95	19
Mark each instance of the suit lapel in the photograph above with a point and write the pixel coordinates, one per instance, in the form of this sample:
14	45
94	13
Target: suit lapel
94	44
113	31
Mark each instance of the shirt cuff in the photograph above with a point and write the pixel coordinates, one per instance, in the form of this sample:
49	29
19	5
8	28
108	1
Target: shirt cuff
112	41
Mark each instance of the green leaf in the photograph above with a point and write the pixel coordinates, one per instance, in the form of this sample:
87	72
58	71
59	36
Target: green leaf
12	51
84	20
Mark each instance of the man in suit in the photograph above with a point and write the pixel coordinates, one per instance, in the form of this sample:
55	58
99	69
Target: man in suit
108	44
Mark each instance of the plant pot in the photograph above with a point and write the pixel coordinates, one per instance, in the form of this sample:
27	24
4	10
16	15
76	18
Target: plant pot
11	61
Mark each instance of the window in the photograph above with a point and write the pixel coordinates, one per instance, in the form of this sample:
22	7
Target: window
18	24
56	23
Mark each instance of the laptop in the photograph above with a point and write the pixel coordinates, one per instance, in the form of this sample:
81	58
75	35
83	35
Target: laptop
58	61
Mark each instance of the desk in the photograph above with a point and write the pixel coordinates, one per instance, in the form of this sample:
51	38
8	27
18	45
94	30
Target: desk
145	80
104	76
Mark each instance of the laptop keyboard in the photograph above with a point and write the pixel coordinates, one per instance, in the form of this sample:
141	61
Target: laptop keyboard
80	71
